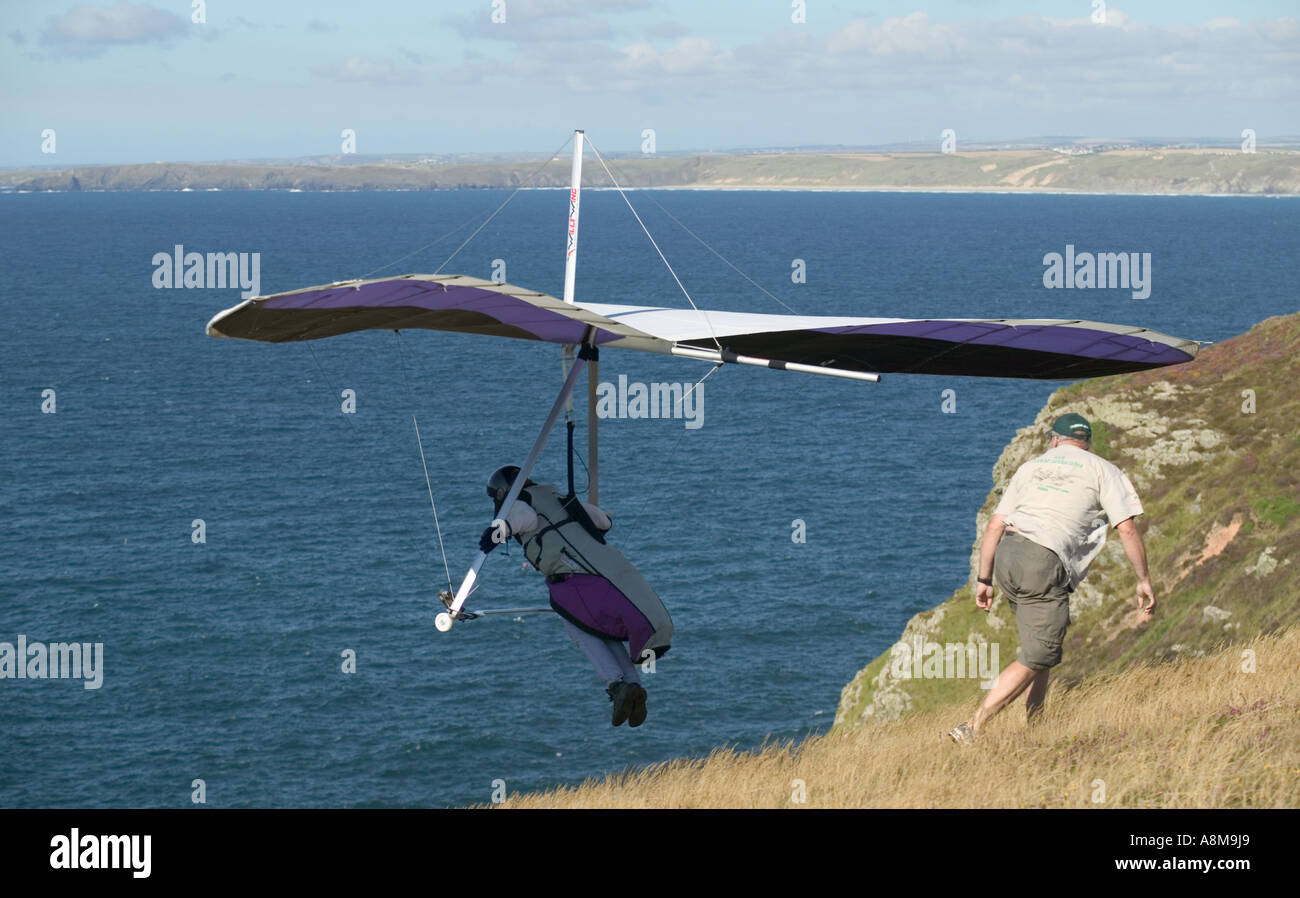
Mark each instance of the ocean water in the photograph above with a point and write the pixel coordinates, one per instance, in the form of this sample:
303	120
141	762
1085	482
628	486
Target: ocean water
223	659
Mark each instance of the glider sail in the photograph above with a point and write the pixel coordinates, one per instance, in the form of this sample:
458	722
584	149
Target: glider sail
1046	349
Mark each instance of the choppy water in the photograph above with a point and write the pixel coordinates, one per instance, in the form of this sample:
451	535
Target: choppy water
222	659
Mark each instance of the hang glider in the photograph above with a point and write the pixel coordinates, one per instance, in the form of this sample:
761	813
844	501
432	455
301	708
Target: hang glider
855	348
1050	349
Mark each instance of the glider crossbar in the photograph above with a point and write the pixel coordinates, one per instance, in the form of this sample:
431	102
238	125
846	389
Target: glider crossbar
709	355
474	615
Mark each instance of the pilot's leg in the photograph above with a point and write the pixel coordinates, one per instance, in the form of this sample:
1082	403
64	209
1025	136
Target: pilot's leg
615	668
608	656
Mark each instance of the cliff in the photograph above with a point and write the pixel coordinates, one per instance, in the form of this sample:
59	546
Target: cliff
1213	448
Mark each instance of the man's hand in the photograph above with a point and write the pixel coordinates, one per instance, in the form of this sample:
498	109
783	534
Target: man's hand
1146	598
988	551
1137	556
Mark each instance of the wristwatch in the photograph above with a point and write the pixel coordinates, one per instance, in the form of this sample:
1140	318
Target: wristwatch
986	582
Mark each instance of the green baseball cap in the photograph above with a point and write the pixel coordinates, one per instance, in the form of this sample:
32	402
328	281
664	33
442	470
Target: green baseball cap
1073	426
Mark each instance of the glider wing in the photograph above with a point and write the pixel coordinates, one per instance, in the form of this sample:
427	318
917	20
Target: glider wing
1048	349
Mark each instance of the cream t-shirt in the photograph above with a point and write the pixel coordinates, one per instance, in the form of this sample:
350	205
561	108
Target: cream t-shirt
1063	500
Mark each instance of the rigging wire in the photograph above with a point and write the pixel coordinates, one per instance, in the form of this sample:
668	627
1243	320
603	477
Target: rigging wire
428	483
700	381
414	252
673	451
704	315
703	243
722	257
432	504
326	378
329	385
536	172
685	292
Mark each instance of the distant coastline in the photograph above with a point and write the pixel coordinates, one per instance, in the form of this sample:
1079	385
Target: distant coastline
1153	171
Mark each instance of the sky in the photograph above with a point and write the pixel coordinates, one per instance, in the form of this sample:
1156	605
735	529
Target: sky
188	80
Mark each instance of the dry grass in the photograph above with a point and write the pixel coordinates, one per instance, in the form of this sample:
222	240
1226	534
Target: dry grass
1194	733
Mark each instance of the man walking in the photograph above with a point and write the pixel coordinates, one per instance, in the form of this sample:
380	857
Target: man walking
1043	535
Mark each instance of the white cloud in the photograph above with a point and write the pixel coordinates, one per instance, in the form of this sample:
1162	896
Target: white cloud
912	75
689	55
977	60
86	30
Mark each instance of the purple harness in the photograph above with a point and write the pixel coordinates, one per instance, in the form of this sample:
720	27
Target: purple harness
596	605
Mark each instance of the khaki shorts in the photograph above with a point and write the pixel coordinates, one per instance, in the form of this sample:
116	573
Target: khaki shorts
1037	588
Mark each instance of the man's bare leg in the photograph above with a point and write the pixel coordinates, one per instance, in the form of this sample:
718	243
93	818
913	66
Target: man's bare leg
1037	693
1010	683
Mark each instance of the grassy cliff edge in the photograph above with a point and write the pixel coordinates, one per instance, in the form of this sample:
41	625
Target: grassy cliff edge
1191	733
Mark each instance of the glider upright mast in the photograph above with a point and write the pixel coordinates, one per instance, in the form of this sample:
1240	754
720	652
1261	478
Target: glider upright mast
570	277
575	192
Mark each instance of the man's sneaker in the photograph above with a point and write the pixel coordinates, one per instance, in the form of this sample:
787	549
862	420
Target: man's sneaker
962	734
622	694
636	716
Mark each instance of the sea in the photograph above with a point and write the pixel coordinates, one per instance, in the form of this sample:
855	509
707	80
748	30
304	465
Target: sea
246	532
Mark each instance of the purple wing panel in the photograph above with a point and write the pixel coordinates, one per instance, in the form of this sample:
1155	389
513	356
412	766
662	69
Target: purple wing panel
460	304
1063	338
1039	350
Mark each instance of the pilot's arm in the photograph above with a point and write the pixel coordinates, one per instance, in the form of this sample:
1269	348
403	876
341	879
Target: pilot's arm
521	519
598	516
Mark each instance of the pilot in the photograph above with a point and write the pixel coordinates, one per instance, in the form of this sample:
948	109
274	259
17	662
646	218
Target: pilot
609	610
